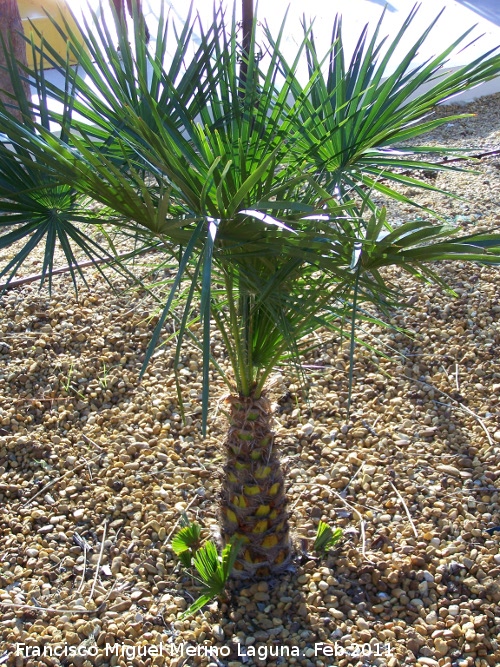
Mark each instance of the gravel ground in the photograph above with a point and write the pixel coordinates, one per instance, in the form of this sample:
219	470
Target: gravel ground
96	468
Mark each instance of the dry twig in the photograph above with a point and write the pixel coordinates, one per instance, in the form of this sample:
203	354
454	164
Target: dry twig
457	405
101	551
167	539
51	610
90	441
58	479
401	499
84	567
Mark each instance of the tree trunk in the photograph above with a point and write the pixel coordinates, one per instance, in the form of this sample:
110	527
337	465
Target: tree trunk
12	46
253	500
247	20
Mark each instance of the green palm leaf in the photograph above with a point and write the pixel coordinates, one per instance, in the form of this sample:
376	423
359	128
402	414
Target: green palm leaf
262	187
350	116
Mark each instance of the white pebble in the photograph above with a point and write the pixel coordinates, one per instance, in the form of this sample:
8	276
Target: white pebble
423	588
431	618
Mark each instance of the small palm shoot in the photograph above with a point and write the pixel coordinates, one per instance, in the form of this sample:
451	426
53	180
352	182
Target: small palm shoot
213	571
187	542
326	538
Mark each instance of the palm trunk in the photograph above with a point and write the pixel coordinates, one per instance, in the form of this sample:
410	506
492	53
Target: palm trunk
246	27
11	32
253	500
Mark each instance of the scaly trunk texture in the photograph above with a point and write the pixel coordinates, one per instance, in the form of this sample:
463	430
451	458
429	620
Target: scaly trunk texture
253	501
11	31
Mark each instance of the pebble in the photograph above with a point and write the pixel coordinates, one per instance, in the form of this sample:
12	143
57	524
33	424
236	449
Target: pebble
431	618
116	564
423	588
137	595
470	635
122	605
449	470
441	646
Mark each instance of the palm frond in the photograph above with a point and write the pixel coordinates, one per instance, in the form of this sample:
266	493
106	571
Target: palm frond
353	120
263	189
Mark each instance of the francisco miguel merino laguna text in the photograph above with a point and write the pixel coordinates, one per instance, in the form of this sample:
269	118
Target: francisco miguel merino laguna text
262	652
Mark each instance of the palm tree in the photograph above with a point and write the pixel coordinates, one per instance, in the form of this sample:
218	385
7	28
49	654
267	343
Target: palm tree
260	188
